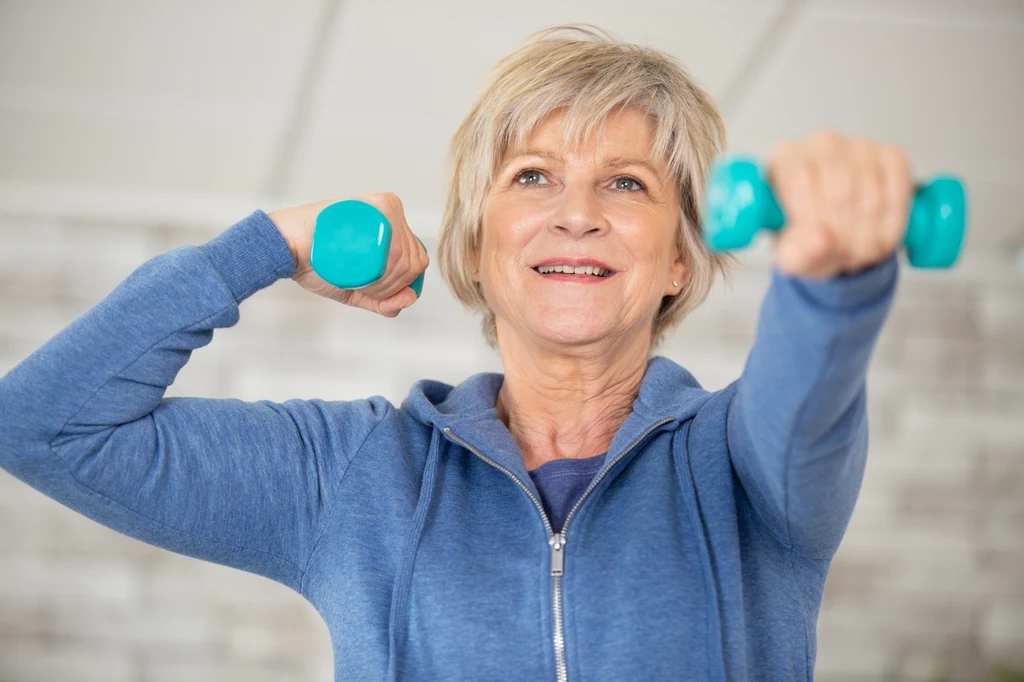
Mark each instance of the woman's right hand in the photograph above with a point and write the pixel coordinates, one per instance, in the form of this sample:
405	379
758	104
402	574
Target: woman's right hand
406	259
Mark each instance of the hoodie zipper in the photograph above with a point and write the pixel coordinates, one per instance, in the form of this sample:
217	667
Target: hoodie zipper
557	541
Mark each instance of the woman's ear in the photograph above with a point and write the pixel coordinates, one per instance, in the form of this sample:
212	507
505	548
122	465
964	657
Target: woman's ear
679	274
474	266
679	269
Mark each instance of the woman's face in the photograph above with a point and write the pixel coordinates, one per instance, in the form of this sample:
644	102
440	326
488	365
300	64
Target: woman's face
600	204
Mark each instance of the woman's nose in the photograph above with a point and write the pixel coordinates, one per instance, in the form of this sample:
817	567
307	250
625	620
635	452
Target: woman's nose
579	212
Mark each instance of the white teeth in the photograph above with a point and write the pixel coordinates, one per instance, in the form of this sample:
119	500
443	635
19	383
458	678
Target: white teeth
581	270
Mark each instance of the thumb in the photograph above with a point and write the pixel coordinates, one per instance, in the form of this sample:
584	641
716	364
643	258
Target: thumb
805	249
391	306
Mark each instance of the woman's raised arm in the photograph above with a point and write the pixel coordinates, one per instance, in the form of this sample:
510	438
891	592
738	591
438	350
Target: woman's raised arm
797	426
83	419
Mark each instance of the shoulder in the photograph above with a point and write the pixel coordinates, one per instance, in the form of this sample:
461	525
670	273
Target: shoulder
669	389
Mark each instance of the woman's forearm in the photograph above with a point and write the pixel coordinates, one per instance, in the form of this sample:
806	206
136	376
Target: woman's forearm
797	426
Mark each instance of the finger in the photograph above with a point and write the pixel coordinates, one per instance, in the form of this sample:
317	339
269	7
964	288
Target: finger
417	259
793	181
838	184
411	262
400	260
390	281
358	299
868	243
421	261
396	277
804	246
393	279
897	187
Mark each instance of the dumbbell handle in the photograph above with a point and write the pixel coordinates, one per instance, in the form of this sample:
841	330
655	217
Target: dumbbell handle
740	202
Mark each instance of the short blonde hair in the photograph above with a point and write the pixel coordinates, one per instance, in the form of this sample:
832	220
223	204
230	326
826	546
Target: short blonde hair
589	74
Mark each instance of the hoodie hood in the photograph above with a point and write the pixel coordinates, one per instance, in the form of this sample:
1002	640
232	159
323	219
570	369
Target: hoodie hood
667	391
443	405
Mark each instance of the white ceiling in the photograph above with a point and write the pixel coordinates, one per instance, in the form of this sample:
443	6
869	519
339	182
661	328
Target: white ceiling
108	103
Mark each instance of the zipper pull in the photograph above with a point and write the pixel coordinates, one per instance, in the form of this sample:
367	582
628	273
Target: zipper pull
557	542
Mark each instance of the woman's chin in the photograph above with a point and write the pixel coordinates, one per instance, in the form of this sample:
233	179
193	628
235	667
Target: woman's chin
571	332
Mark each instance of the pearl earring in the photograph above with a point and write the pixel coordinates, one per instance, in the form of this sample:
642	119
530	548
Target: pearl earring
675	283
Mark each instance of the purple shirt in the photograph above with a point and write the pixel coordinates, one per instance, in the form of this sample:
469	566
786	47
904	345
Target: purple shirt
561	483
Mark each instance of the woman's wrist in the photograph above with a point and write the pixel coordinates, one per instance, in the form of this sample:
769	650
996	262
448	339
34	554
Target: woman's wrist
250	255
284	225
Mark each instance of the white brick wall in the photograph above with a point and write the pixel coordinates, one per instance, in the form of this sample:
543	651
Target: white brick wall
930	576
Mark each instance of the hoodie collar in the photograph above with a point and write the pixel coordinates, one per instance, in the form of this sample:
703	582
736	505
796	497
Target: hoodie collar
666	391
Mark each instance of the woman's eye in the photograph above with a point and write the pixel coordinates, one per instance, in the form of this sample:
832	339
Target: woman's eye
530	177
627	184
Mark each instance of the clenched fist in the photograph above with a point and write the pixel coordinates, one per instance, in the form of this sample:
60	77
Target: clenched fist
406	259
846	202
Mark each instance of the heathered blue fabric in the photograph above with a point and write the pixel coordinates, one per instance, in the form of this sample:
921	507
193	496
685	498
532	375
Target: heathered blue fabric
561	482
700	555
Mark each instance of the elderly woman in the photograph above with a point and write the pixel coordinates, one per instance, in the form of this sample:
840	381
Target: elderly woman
592	513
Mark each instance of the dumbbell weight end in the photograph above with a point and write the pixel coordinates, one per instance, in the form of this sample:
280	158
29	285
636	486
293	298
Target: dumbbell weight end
351	243
938	218
738	204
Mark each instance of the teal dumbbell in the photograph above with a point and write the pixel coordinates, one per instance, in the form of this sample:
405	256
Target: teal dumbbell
740	202
351	242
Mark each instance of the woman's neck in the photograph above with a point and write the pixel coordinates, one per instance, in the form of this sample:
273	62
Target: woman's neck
559	406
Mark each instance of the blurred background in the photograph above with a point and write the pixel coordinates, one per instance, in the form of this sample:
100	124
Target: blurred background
130	127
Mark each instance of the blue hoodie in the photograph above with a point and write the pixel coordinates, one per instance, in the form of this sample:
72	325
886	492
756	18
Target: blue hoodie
699	552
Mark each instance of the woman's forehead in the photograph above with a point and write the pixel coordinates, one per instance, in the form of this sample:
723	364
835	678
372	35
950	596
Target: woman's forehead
617	139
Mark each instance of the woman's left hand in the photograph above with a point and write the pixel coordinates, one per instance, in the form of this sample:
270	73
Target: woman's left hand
846	202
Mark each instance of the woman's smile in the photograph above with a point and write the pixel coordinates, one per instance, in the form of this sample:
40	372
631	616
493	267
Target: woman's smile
578	270
575	277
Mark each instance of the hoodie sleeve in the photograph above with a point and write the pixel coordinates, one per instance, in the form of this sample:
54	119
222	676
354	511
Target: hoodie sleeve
248	484
797	425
